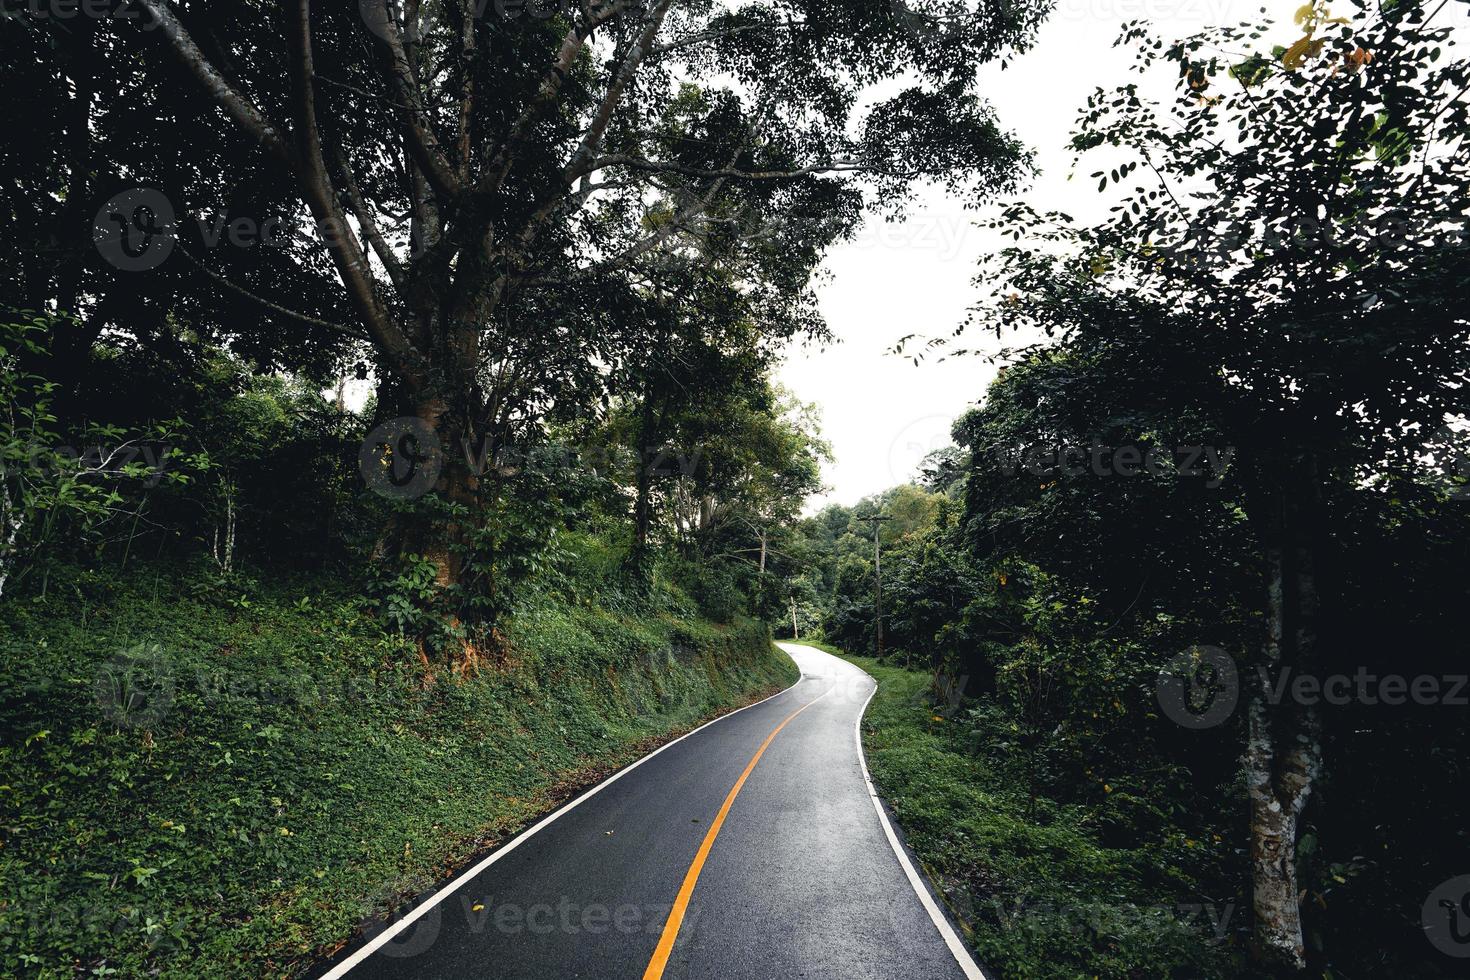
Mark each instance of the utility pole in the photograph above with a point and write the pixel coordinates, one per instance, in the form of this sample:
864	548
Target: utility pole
795	634
876	519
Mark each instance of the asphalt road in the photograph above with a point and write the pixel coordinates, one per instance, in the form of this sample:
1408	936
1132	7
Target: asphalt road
750	848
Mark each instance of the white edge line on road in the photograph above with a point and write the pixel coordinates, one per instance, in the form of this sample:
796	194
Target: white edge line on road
341	969
956	945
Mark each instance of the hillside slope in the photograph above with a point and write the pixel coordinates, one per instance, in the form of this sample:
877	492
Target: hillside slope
202	779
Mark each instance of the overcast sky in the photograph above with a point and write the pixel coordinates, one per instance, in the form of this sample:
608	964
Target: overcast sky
881	413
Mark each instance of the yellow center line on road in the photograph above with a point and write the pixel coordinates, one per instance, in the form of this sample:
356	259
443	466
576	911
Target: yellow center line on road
681	902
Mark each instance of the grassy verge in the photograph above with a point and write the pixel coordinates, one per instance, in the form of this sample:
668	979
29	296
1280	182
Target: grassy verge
199	781
1038	893
819	644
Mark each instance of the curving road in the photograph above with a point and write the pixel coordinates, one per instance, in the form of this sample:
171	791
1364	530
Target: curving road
752	847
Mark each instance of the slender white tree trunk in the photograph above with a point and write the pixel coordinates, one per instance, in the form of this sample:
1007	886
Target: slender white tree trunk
11	520
224	553
230	531
7	548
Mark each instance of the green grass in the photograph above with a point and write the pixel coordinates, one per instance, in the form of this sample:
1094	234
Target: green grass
819	644
285	770
1038	894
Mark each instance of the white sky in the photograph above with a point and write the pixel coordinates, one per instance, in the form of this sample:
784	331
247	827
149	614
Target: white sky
881	413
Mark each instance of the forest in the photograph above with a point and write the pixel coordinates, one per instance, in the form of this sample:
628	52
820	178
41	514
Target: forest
394	446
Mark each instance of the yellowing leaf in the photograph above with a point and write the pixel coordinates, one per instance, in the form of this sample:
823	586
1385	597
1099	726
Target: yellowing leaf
1304	12
1294	54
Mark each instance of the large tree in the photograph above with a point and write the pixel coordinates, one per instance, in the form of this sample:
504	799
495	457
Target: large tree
490	184
1287	265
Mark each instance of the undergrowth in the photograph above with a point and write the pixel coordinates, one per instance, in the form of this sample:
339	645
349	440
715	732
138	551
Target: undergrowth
1038	891
228	777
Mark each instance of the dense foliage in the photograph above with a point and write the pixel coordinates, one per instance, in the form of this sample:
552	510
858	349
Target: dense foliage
217	776
391	385
1067	887
507	218
1235	463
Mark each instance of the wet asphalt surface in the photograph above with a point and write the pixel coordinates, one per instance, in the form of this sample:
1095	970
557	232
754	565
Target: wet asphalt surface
800	882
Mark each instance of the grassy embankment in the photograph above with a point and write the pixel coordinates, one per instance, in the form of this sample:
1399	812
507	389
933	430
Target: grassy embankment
1037	891
226	782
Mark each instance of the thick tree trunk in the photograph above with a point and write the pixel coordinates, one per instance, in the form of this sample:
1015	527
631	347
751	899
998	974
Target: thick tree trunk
463	576
1284	750
445	542
648	435
1280	775
642	507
